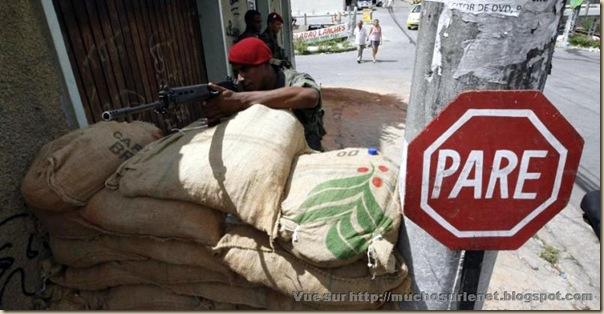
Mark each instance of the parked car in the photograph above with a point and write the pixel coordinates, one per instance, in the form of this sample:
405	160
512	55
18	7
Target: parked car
414	15
362	4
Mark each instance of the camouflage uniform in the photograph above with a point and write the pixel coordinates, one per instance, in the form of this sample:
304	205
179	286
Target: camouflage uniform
311	118
273	44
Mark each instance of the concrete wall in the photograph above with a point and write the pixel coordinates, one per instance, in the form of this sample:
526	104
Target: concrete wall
34	109
213	41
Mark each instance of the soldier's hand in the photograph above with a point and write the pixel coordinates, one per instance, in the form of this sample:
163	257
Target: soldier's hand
223	105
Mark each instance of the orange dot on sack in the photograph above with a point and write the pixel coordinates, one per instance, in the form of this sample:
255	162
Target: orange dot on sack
362	169
377	182
383	168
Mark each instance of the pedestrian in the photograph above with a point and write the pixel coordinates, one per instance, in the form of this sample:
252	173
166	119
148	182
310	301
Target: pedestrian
274	23
375	37
388	4
261	82
360	38
253	25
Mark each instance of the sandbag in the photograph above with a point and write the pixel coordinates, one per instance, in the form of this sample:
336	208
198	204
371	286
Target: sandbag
248	253
80	253
341	206
69	170
239	166
123	298
144	216
67	225
260	297
264	298
119	273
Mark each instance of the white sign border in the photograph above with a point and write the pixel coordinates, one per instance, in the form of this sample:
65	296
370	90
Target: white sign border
513	113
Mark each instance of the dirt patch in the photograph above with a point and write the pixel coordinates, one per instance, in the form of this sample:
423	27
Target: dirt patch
357	118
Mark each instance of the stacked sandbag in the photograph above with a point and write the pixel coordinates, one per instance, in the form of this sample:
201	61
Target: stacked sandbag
239	167
248	252
338	230
342	206
242	215
68	171
107	246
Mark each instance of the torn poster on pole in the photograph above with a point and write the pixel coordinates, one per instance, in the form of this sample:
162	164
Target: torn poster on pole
502	7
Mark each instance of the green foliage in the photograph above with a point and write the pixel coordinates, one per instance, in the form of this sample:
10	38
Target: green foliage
550	254
327	46
583	41
345	203
301	47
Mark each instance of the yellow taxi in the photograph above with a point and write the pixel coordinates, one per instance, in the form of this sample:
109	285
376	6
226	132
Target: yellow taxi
414	15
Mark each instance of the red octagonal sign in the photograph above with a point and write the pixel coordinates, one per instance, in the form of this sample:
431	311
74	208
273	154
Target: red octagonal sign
491	170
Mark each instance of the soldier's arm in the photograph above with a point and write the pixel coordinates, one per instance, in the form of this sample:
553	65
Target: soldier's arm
281	98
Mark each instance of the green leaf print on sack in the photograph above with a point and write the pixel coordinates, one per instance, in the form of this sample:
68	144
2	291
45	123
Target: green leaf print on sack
349	204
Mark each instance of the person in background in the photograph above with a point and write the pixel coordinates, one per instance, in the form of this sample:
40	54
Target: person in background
253	25
262	82
274	24
375	37
360	38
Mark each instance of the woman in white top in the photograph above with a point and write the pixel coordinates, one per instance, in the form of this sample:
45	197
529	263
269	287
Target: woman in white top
360	37
375	37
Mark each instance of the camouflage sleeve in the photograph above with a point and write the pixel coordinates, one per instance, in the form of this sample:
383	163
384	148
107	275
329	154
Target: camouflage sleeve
311	118
304	80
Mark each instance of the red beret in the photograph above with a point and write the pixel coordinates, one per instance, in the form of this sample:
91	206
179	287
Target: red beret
250	51
274	17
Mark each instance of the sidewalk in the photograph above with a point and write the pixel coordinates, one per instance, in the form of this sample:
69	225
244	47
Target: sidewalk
577	269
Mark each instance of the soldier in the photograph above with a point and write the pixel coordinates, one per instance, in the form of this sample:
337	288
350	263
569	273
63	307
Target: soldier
253	25
264	83
274	24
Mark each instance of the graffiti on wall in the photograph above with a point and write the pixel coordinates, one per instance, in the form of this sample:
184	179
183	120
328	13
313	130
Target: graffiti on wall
18	260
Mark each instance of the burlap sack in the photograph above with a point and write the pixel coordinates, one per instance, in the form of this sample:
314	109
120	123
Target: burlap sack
113	274
265	298
240	166
123	298
79	253
67	225
69	170
341	206
144	216
248	253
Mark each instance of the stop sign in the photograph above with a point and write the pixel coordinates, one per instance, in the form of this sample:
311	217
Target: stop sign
491	170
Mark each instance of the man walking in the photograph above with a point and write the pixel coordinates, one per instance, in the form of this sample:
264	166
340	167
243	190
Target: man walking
360	38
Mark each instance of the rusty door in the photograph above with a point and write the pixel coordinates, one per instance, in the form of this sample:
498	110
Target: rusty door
122	51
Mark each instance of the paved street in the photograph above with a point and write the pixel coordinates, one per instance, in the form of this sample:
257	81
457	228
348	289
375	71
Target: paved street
390	75
573	86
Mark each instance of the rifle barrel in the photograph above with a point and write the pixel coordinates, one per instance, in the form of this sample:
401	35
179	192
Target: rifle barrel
117	113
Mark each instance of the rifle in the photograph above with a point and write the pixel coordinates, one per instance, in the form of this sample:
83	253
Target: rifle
171	96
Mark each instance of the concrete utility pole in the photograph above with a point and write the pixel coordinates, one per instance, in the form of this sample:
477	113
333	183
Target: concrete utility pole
470	45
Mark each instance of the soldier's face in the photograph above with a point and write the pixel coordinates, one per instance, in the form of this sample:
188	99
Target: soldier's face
257	23
276	26
252	78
